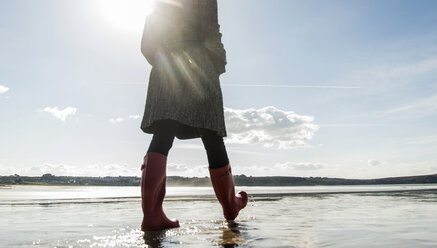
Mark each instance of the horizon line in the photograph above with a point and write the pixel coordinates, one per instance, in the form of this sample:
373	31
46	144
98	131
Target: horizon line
136	176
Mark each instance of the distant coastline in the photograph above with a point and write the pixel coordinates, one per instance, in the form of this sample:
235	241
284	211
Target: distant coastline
240	180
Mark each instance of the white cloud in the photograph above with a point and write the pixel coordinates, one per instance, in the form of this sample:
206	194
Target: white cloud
256	170
184	170
3	89
269	126
121	119
373	162
300	169
59	114
94	170
301	166
177	167
116	120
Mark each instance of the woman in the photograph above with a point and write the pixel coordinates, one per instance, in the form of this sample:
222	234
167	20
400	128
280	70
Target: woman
182	42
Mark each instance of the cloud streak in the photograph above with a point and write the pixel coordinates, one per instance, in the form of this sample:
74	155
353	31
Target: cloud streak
425	105
292	86
3	89
95	170
59	114
301	166
315	86
122	119
270	127
385	77
116	120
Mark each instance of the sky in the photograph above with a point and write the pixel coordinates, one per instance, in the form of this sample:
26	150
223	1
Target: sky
313	88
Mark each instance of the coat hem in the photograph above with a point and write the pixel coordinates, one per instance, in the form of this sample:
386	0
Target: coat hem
185	130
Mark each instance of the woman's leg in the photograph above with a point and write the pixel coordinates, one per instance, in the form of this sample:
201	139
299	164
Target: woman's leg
154	176
163	136
215	149
221	175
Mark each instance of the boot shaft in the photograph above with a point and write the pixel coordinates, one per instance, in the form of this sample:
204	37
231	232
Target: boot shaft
153	181
224	188
153	193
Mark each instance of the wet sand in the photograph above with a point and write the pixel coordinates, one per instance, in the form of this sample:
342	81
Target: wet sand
290	218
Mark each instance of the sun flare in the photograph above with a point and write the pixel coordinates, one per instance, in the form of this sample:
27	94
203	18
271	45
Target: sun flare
125	15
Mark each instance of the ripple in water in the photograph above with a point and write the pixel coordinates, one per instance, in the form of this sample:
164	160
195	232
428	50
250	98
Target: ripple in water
389	219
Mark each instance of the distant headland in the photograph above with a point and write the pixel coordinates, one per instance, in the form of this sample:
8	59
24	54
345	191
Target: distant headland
240	180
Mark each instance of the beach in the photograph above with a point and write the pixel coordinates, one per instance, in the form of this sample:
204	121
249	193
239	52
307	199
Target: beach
319	216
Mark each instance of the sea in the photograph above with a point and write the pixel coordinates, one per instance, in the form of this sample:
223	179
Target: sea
301	216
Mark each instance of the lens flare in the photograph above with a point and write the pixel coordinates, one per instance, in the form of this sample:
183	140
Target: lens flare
127	16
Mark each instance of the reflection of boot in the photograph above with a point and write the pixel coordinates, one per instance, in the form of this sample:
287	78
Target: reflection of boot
153	192
223	185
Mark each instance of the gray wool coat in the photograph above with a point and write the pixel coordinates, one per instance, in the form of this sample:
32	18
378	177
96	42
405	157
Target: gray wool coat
182	42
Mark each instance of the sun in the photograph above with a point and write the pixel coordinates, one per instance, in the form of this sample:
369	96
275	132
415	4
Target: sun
125	15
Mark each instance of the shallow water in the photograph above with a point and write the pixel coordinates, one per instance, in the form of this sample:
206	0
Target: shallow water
323	216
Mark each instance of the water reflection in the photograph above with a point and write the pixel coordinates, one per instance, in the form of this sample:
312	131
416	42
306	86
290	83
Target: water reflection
154	239
231	235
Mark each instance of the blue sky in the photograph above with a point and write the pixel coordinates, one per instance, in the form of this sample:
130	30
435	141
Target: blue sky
324	88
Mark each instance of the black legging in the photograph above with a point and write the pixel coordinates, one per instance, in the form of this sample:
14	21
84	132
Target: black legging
164	135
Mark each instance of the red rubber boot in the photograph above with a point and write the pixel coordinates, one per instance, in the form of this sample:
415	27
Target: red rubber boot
223	185
153	192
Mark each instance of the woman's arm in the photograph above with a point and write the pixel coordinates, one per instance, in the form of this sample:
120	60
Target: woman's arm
210	34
